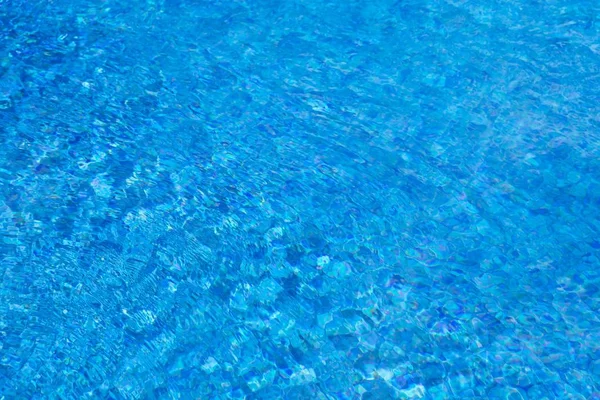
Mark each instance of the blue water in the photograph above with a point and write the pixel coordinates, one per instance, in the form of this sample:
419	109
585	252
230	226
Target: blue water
300	199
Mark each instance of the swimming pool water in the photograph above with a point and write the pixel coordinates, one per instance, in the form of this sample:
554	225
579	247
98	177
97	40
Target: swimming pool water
299	199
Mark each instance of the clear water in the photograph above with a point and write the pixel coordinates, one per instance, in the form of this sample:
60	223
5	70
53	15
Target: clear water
299	199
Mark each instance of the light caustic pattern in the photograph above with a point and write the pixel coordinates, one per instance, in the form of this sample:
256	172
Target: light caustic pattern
299	199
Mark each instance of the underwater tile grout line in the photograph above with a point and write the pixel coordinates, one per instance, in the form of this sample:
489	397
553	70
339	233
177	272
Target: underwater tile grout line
299	199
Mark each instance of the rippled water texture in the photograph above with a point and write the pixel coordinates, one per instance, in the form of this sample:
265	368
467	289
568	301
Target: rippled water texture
299	199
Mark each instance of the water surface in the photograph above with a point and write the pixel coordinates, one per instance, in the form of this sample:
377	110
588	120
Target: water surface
299	199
